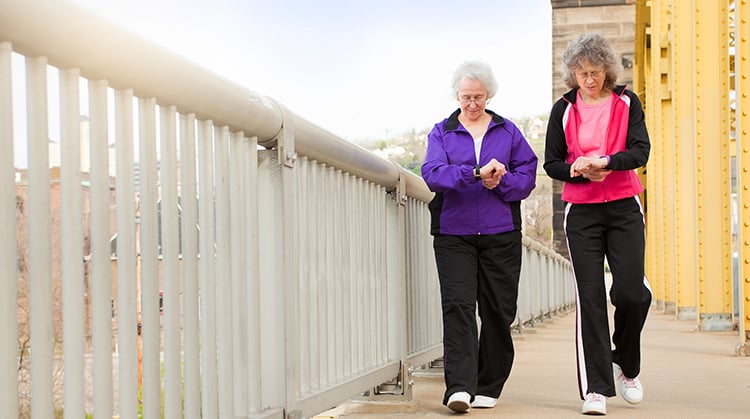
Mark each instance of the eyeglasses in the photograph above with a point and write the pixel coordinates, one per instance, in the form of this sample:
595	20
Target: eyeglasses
592	74
479	100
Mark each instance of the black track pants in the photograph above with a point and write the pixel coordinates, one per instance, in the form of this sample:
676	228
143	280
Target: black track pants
615	230
478	271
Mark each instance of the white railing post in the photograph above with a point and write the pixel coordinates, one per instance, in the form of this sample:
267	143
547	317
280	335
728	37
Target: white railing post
170	278
271	288
101	265
149	258
252	275
223	283
72	244
128	317
40	252
207	271
190	290
238	265
8	257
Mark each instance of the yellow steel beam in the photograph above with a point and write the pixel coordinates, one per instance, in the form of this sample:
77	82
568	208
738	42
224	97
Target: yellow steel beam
742	85
686	197
652	254
642	23
690	54
641	73
712	151
655	167
653	21
663	85
641	70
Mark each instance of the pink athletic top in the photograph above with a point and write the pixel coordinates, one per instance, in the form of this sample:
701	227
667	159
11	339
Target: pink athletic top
592	131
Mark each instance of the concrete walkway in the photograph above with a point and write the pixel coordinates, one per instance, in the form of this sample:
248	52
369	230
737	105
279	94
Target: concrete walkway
685	374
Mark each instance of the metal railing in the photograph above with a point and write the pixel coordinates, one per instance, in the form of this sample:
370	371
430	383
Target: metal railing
200	251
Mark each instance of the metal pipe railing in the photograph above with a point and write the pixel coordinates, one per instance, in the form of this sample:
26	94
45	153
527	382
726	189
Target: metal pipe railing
62	32
343	262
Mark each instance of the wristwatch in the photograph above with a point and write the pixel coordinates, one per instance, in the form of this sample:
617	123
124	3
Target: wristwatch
476	172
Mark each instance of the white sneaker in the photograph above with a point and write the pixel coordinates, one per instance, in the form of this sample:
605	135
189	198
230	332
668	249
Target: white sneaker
594	404
459	402
484	402
630	389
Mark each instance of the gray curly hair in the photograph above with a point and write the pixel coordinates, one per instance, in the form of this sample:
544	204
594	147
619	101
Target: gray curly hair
594	49
474	70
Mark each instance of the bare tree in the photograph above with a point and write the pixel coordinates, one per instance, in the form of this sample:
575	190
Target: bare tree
537	212
23	294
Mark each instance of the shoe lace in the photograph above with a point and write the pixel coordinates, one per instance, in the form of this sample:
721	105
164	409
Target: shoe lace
594	397
627	382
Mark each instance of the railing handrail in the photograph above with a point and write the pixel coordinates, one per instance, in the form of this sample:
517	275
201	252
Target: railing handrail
70	36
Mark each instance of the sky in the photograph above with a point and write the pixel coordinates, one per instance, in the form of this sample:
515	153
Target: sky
363	70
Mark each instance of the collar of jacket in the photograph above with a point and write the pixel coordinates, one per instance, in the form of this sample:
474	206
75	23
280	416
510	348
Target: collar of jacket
572	95
452	123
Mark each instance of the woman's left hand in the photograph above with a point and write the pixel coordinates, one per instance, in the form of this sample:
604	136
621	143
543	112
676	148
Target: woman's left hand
490	183
597	175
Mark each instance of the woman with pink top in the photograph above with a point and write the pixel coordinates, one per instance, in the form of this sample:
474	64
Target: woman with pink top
596	138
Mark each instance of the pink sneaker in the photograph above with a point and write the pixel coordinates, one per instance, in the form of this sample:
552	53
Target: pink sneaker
594	404
630	389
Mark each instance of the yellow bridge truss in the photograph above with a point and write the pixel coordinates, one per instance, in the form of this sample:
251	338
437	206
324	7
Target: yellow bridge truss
692	63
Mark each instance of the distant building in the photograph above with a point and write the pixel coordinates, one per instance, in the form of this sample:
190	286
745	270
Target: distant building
536	130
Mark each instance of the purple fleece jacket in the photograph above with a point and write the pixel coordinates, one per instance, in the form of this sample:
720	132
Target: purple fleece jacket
462	206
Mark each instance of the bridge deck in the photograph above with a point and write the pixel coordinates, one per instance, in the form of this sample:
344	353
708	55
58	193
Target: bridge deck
685	373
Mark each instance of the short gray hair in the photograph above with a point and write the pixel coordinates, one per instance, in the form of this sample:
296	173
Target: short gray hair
474	70
594	49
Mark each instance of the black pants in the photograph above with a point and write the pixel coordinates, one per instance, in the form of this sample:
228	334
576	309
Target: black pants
478	271
615	230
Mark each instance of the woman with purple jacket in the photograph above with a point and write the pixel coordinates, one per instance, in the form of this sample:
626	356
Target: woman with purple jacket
480	167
